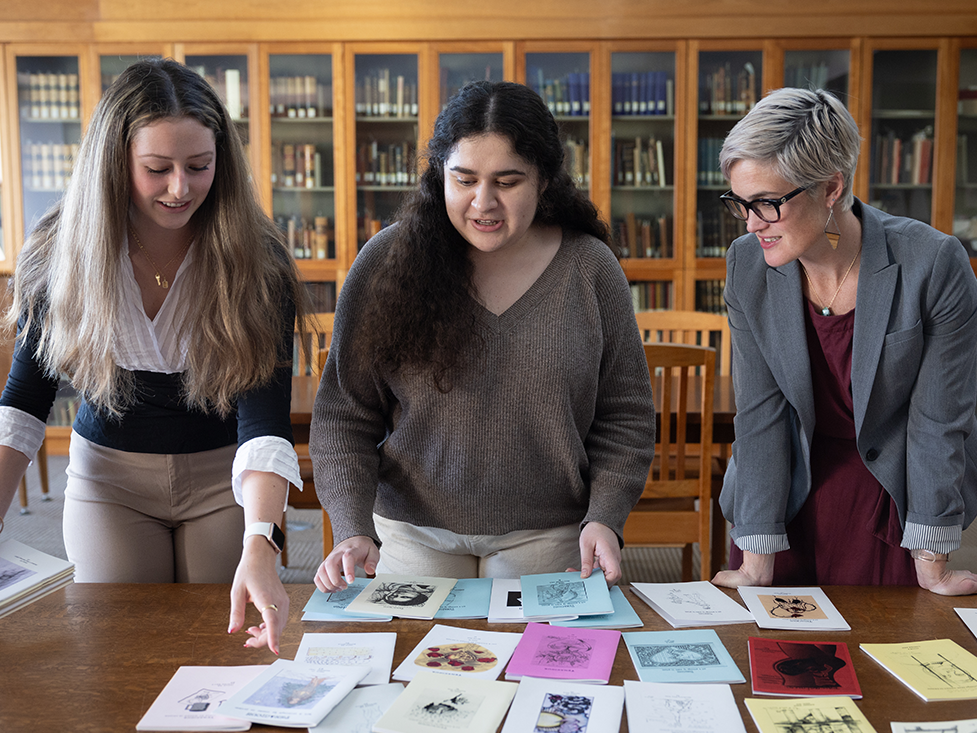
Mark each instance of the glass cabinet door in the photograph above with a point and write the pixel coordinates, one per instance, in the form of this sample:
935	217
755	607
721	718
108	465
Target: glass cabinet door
49	116
228	75
457	69
386	137
819	69
965	209
903	119
563	81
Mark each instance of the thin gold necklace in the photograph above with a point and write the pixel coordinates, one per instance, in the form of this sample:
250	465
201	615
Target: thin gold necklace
160	279
826	309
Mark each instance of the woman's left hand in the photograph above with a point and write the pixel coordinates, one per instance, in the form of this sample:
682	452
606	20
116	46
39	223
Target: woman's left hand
935	576
256	580
599	548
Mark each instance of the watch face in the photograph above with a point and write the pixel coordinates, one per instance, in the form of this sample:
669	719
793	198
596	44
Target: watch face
277	536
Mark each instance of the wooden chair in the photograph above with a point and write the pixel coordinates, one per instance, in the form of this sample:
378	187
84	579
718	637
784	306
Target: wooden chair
704	329
307	497
676	504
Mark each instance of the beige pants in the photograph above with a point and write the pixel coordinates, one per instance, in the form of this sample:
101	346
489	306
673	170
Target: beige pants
151	518
439	553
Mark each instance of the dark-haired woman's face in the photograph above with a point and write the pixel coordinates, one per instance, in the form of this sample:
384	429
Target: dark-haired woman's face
490	192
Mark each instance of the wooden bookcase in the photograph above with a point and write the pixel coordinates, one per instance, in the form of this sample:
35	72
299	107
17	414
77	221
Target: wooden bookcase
908	73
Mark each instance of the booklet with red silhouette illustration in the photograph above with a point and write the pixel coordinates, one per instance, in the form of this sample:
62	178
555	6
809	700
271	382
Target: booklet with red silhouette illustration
802	668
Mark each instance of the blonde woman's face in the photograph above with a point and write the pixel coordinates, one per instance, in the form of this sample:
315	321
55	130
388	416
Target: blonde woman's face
171	167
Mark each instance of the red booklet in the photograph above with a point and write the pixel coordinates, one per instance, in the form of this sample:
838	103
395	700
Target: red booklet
802	668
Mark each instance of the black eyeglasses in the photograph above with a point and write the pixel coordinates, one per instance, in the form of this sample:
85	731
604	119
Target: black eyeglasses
767	209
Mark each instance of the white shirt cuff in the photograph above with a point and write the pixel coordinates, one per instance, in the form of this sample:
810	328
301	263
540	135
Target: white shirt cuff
267	453
21	431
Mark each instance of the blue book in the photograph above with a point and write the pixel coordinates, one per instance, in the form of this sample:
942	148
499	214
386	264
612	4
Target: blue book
332	606
550	594
623	616
468	599
691	655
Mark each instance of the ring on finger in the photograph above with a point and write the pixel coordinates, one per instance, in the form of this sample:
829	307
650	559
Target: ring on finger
271	606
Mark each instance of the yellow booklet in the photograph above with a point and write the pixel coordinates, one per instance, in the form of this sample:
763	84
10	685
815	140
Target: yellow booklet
938	669
827	713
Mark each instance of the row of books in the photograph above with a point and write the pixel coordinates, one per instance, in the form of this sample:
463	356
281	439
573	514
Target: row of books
297	165
309	239
709	296
392	164
642	93
48	95
903	159
48	166
963	159
715	229
299	97
567	95
382	94
231	86
644	237
639	162
652	295
708	173
577	152
723	91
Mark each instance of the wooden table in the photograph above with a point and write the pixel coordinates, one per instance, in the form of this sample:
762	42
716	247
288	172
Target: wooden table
93	657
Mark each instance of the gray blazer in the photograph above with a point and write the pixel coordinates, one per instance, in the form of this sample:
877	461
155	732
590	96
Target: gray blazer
914	384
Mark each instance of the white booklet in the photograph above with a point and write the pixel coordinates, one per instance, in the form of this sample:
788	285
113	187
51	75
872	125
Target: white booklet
360	709
969	617
193	697
433	703
505	605
792	608
459	652
679	707
405	596
292	694
562	705
695	603
942	726
373	649
27	574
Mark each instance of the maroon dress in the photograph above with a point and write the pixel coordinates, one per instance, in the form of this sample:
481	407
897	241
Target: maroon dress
847	532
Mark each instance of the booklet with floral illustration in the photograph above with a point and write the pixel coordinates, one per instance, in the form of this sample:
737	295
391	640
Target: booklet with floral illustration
684	655
556	652
801	668
548	594
459	652
543	706
936	669
797	609
678	707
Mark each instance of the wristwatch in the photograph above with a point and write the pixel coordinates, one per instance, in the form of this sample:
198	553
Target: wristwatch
927	555
270	531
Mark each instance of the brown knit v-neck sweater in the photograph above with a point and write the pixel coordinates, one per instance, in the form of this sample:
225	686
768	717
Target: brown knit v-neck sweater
552	422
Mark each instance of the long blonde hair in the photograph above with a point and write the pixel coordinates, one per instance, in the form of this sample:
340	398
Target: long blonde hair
244	282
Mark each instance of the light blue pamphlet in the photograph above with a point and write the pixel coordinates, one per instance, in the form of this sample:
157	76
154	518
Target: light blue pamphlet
690	655
551	594
624	617
468	599
332	606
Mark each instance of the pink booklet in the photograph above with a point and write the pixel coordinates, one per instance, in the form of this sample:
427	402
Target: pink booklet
558	653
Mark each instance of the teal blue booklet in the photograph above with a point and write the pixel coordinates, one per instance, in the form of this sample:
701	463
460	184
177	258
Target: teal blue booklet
551	594
692	655
623	617
468	599
332	606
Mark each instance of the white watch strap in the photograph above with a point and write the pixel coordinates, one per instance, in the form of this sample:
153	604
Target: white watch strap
265	529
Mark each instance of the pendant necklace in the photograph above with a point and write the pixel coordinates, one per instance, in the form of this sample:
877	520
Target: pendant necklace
826	309
160	279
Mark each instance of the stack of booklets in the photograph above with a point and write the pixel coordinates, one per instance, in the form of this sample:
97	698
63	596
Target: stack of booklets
505	605
623	616
697	603
333	606
551	594
796	609
690	655
556	652
677	707
937	669
27	574
791	668
404	596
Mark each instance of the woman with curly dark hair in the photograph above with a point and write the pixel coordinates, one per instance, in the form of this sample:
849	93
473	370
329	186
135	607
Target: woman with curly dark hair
485	409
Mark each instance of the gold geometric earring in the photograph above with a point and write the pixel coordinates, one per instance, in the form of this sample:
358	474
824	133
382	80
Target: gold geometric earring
833	235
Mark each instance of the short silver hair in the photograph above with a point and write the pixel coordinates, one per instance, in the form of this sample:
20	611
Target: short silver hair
807	135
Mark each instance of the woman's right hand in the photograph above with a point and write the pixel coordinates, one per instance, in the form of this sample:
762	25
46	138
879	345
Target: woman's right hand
339	568
756	570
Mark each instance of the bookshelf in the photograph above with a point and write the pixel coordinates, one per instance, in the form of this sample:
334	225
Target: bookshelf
332	177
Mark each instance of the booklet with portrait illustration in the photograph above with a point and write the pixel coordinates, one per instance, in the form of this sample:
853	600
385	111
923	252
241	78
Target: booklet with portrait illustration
459	652
685	655
559	653
797	609
936	669
792	668
693	603
404	596
547	594
561	705
679	707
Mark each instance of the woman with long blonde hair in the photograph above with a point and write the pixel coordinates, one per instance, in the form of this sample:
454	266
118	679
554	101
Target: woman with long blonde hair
161	291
